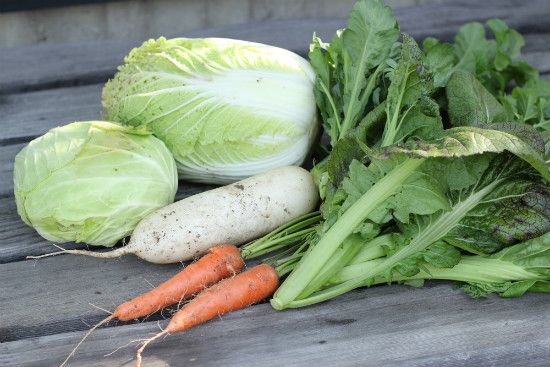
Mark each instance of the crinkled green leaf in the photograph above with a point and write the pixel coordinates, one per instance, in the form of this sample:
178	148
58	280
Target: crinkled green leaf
473	51
441	255
328	102
440	59
470	104
522	72
530	104
421	122
533	254
349	68
420	194
467	141
540	286
518	209
409	109
367	41
494	63
482	290
343	153
509	43
507	289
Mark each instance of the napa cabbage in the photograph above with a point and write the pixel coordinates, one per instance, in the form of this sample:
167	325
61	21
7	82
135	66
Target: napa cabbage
226	109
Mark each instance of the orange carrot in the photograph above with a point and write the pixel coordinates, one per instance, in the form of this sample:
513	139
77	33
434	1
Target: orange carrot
220	262
228	295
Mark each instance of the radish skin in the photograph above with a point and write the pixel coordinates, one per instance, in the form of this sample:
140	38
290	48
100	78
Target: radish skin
236	213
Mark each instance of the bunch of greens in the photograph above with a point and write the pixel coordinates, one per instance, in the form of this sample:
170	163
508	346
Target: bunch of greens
436	170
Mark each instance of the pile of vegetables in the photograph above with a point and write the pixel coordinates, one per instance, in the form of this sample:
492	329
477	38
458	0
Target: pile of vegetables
226	109
435	167
221	109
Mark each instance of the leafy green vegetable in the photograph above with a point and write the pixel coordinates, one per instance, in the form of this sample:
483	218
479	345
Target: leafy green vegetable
515	138
440	60
530	104
92	181
226	109
511	272
441	163
494	62
469	101
349	68
408	107
497	185
508	44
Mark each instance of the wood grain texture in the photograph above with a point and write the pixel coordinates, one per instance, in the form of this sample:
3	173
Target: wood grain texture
47	66
382	326
28	115
67	286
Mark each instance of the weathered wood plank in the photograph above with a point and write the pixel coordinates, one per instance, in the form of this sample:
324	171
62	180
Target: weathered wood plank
389	326
61	304
47	66
7	157
17	240
28	115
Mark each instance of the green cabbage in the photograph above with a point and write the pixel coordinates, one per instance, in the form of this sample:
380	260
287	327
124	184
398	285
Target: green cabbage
226	109
92	181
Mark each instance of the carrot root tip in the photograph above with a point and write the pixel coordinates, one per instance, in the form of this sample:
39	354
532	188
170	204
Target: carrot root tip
145	343
104	321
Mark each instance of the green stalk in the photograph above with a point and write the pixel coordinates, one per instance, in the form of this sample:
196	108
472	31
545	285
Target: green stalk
420	242
282	236
276	244
391	128
373	249
470	269
328	94
349	249
287	264
285	268
348	120
313	262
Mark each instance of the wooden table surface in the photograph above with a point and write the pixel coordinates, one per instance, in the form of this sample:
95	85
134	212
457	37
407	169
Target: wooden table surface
46	305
